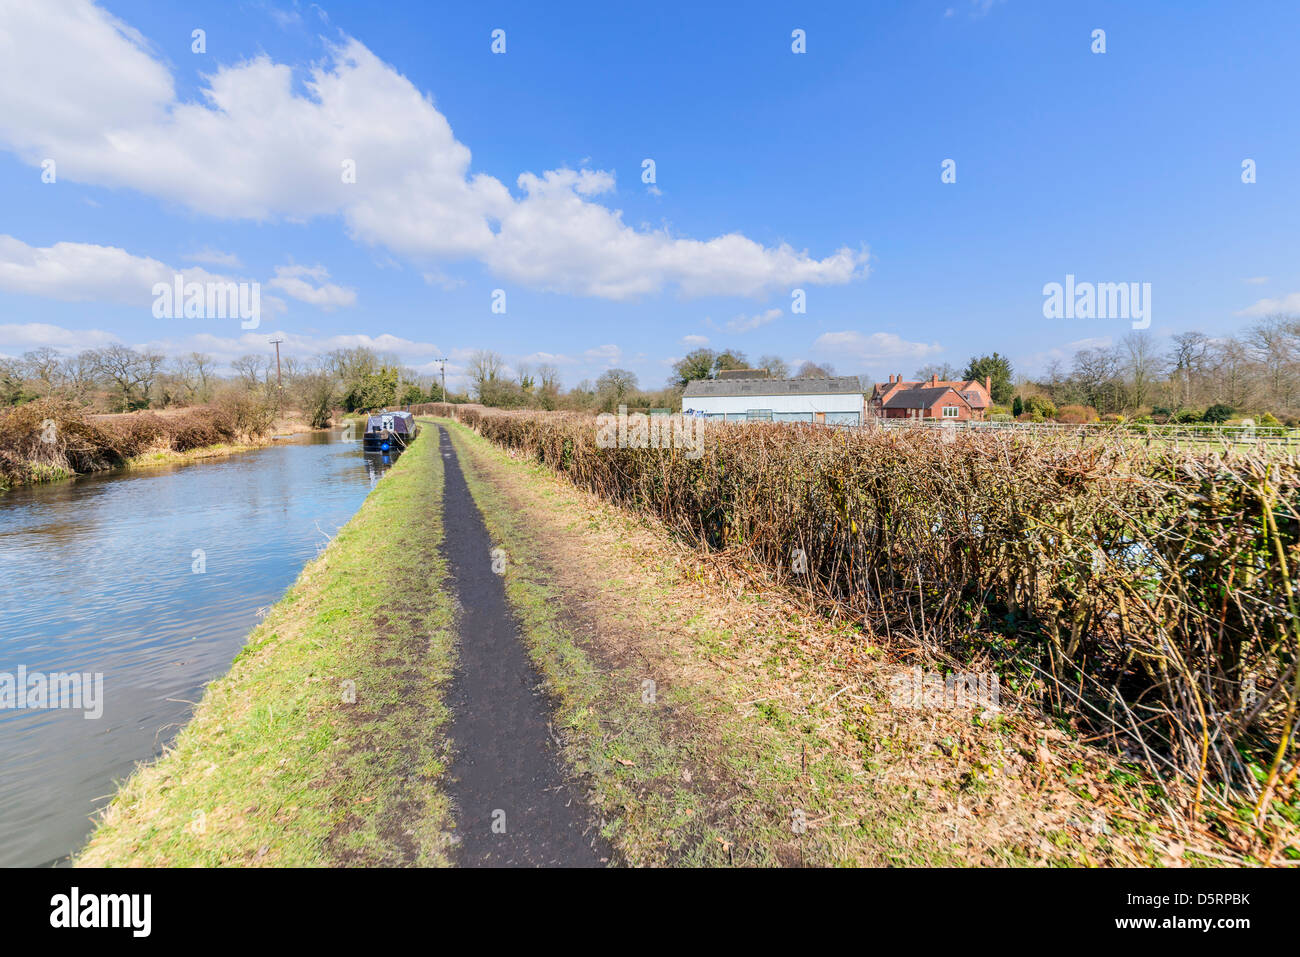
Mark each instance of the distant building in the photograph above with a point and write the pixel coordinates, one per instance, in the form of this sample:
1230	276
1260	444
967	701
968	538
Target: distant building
932	399
755	397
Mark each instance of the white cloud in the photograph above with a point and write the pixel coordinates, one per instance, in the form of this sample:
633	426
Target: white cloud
106	109
84	272
548	358
694	340
1095	342
607	355
749	323
292	280
20	337
877	347
982	8
214	257
1267	307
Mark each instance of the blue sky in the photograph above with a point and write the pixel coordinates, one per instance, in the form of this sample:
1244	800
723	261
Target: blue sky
775	171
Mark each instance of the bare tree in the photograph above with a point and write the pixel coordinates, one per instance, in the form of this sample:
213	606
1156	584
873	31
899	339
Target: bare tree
1187	367
614	385
485	371
813	370
1232	371
79	374
43	369
548	385
130	373
946	371
1274	343
201	367
251	370
1141	366
1096	373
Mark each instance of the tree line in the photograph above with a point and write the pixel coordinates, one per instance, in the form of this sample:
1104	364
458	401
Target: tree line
1196	377
118	378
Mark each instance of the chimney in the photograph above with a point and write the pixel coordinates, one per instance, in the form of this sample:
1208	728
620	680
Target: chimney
988	384
934	379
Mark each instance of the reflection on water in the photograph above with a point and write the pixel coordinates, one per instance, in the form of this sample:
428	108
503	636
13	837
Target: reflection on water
152	578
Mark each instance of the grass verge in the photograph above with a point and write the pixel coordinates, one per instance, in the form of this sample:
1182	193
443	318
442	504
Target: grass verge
323	743
219	450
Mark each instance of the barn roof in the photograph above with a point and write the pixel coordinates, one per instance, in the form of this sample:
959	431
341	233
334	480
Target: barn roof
835	385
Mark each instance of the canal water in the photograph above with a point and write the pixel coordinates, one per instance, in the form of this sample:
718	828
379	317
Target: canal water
148	583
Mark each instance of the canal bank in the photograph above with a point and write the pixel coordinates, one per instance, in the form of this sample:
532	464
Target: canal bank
48	440
149	581
323	742
386	713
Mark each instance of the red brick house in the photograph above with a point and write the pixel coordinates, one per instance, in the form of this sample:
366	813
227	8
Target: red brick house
934	399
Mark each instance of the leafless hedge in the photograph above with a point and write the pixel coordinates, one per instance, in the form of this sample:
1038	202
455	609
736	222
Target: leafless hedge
54	437
1151	590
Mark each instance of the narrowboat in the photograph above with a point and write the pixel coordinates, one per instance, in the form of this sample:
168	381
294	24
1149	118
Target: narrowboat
389	432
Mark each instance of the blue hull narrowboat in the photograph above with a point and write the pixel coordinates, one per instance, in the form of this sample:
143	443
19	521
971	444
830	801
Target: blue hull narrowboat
389	432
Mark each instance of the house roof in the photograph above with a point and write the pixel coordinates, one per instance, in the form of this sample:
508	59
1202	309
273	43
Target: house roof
919	398
972	391
835	385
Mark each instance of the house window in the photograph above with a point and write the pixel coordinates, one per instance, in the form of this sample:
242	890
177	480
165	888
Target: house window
950	411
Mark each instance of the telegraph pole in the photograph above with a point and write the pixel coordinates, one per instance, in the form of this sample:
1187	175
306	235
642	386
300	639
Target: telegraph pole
442	364
278	383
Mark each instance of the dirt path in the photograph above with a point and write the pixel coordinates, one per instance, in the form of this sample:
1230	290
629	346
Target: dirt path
514	805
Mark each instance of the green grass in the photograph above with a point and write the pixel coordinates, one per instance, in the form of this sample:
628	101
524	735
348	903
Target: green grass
277	767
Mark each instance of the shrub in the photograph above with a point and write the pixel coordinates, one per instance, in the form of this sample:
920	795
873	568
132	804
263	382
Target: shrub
1217	414
1037	405
49	437
250	415
1076	414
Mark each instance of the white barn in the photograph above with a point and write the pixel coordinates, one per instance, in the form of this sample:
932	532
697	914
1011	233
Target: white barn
838	400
